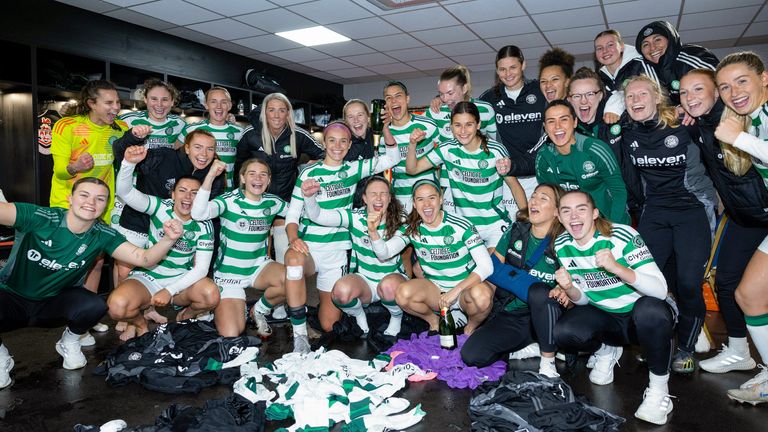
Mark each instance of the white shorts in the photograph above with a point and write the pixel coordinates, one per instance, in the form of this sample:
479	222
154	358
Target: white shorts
134	237
492	234
330	266
407	202
231	290
280	242
152	285
763	246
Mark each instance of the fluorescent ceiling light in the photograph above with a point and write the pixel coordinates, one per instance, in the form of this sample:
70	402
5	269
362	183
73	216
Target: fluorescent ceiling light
313	36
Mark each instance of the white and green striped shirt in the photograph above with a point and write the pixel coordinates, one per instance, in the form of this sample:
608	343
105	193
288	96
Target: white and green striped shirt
402	182
603	289
227	137
245	227
756	149
197	237
443	120
475	185
337	187
163	134
443	252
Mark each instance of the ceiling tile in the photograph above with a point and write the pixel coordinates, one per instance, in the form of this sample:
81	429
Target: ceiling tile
176	11
432	64
298	67
369	59
629	29
739	15
269	59
343	49
267	43
484	10
637	9
504	27
578	48
192	35
330	11
473	59
364	28
226	29
300	55
757	29
414	54
140	19
462	48
444	35
353	72
325	76
581	34
328	64
126	3
287	2
392	68
522	41
392	42
381	12
532	56
91	5
234	7
763	15
698	36
539	6
235	48
709	5
422	19
567	19
276	20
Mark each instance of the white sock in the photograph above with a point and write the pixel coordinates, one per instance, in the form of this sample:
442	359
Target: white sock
355	310
544	361
4	351
69	337
262	306
300	329
740	345
760	339
395	318
658	382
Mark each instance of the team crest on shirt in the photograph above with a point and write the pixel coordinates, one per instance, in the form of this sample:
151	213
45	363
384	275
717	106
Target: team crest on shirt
638	242
588	166
615	129
448	240
189	235
366	241
671	141
423	253
267	211
112	139
342	175
115	219
81	249
287	148
531	99
169	131
518	245
483	164
230	135
134	356
242	224
675	85
549	260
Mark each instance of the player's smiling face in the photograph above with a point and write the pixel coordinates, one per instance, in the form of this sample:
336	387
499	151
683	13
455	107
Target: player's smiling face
277	116
510	72
89	201
337	142
256	179
357	118
608	50
742	89
201	151
464	127
104	108
560	126
578	217
427	203
183	196
218	105
641	100
553	83
159	103
397	102
451	92
377	196
697	94
653	47
585	99
542	206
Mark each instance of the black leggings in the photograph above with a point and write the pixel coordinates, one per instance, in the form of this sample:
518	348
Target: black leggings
685	234
737	245
77	308
649	324
545	312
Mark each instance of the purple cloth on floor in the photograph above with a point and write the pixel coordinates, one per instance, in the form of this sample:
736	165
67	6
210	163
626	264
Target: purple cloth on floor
425	352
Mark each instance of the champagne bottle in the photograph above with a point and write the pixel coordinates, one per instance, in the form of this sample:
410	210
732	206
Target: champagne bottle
376	124
447	330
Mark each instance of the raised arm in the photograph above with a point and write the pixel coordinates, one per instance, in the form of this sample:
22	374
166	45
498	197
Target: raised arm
412	164
202	208
139	257
330	218
124	188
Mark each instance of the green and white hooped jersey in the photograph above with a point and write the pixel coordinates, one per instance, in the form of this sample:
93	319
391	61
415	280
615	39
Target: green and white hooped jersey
443	252
163	135
759	129
603	289
364	261
475	185
227	137
443	120
245	227
402	182
197	236
337	188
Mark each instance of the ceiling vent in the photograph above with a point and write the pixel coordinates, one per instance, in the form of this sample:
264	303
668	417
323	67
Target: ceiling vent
398	4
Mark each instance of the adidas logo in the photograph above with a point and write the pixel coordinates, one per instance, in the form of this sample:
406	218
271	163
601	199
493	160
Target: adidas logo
320	180
48	243
572	264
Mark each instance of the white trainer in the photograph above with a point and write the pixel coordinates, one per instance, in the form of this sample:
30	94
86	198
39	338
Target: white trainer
301	344
6	364
762	376
602	373
655	408
260	321
548	369
755	394
73	356
87	340
702	342
530	351
728	359
591	361
100	328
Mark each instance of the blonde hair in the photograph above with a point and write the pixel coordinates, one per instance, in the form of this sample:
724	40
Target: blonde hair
461	74
267	140
667	113
217	88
